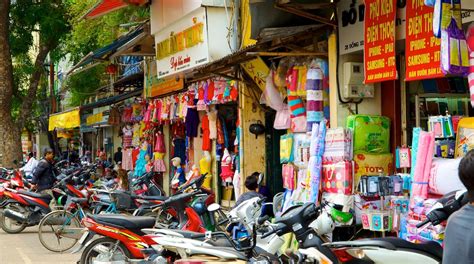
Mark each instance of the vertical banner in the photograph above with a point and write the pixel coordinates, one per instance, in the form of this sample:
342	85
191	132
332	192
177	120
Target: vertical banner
379	41
422	48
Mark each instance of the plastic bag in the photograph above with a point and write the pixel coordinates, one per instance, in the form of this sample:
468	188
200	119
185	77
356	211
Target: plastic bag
282	119
286	148
272	97
279	78
470	46
288	174
454	53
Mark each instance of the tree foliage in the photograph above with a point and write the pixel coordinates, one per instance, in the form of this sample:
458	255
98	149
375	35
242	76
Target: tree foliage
89	35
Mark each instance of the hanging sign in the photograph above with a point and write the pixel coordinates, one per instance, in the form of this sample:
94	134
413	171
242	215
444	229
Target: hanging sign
351	17
258	70
422	48
154	86
182	45
379	41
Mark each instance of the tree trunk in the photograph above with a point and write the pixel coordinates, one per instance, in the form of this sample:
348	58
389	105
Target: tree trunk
10	150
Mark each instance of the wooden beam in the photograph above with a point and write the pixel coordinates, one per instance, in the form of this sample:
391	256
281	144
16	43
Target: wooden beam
333	96
311	6
287	54
302	13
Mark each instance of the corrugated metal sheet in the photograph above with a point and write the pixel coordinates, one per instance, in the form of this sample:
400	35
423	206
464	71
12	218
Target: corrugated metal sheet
103	7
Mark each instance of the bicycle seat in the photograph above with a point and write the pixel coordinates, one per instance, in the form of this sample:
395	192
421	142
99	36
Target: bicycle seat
133	223
79	200
36	195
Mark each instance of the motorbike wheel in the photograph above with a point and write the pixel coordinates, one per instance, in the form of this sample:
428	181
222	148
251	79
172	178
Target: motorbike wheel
101	248
9	225
52	228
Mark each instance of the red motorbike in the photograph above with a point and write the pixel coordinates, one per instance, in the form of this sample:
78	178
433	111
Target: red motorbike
22	208
122	236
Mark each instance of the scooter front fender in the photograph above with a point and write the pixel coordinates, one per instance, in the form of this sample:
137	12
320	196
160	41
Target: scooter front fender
84	241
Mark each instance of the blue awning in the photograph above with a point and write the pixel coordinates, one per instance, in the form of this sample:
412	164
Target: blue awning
106	52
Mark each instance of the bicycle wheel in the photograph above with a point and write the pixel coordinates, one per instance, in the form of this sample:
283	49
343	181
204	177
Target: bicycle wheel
59	231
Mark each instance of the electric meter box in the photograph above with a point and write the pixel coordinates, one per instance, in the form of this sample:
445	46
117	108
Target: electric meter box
354	86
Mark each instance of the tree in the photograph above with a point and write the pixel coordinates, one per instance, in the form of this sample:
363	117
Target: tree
20	22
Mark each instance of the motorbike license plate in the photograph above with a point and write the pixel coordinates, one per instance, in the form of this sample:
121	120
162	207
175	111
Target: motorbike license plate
83	237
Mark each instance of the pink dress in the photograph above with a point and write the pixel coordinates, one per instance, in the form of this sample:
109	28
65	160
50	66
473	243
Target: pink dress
227	173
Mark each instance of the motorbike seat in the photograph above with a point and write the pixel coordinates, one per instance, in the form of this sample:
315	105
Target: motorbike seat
431	248
79	200
215	241
133	223
36	195
159	198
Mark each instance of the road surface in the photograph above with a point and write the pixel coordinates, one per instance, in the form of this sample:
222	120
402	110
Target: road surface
25	248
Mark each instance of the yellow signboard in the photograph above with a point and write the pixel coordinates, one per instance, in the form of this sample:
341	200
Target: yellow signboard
94	119
258	70
65	120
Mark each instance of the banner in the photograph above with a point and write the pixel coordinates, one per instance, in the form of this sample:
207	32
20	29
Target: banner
258	70
65	120
422	48
379	41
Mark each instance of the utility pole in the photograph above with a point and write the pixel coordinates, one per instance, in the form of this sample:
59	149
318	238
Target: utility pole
51	87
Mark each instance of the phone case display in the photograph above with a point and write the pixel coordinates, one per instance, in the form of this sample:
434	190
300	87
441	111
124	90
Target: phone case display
338	144
371	164
445	148
444	176
410	232
337	177
464	136
442	126
371	134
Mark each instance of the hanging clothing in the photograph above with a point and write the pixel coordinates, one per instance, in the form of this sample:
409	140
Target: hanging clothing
136	135
149	167
206	141
160	143
127	115
135	154
127	137
127	161
159	165
192	122
210	91
212	116
140	164
205	167
226	167
114	116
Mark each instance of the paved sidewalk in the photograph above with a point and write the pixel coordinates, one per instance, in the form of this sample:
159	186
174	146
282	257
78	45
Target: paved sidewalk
26	248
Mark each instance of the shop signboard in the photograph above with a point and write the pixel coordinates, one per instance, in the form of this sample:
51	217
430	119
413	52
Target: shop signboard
100	116
154	86
351	17
183	45
379	41
422	48
65	120
258	70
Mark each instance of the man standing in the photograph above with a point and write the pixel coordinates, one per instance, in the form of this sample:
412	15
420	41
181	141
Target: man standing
44	174
118	155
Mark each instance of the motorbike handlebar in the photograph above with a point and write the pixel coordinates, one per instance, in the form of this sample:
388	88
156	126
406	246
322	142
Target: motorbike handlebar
426	221
277	229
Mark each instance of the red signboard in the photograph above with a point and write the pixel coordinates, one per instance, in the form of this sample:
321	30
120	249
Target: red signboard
422	49
379	40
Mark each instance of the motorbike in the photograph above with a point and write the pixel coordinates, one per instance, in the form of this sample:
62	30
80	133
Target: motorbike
22	208
395	250
122	238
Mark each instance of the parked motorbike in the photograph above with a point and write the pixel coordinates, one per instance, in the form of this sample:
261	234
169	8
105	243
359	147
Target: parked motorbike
22	208
122	236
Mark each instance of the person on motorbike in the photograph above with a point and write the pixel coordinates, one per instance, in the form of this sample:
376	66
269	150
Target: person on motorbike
44	175
251	183
459	234
30	165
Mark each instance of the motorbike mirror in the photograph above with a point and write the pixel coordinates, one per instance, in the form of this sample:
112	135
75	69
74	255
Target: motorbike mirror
213	207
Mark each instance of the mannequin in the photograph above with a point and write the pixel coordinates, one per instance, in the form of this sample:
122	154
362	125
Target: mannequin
212	116
192	174
227	174
179	178
149	163
205	166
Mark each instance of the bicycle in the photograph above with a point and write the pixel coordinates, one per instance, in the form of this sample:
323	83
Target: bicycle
66	225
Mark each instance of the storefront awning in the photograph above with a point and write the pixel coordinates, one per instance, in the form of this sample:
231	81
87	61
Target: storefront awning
65	120
104	53
104	7
112	100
